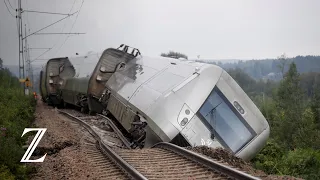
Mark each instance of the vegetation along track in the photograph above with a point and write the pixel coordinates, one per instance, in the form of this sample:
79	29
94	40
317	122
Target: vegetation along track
162	161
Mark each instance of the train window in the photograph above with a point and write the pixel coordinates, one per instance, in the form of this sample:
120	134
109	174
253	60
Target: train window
224	121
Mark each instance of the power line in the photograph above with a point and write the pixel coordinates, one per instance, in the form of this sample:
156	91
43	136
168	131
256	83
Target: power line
58	38
41	55
77	16
28	22
61	32
39	48
56	33
49	25
39	59
64	25
8	8
26	48
11	5
71	28
44	12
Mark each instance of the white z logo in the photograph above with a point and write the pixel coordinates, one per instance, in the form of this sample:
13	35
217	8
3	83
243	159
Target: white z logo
33	145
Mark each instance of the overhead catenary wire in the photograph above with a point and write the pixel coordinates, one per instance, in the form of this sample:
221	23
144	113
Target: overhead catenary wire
28	22
49	25
41	55
39	48
45	12
70	29
57	33
77	16
24	53
4	1
36	32
62	28
11	5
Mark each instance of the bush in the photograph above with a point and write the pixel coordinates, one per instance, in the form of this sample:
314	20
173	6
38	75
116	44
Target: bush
304	163
269	158
273	159
16	113
5	173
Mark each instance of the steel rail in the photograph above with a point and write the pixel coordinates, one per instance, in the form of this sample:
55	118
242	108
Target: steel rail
127	168
118	132
205	161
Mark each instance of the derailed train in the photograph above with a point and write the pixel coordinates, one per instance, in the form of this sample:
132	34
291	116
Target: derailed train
163	99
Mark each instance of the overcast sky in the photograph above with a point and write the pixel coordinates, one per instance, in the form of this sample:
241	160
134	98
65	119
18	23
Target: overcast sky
213	29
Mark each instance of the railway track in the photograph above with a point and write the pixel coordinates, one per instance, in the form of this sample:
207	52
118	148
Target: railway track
104	168
162	161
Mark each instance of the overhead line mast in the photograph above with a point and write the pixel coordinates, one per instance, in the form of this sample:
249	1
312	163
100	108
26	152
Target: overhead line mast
24	50
21	57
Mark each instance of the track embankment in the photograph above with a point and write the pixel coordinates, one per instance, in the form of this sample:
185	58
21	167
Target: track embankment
71	150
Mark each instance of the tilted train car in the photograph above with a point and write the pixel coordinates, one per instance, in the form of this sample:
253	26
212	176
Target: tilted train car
51	78
110	61
74	90
87	96
179	101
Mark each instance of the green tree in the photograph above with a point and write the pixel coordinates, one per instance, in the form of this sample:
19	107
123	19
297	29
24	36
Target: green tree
306	135
315	102
282	63
176	55
289	106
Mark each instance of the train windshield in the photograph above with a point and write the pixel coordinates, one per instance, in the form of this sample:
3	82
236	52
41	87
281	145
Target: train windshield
224	122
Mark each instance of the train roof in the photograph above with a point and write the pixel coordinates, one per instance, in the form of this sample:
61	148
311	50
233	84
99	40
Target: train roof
180	67
85	65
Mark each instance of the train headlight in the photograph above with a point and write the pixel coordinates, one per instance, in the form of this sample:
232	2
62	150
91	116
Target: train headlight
61	82
51	74
184	121
50	81
185	115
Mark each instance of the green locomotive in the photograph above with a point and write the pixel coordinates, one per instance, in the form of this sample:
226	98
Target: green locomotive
52	77
74	92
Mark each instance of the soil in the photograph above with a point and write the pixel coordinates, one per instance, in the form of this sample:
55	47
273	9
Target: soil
224	156
65	158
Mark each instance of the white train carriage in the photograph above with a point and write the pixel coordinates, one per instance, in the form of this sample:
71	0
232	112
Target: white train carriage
184	102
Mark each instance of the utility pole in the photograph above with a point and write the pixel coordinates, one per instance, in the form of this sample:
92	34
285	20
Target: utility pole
27	89
24	50
32	80
21	54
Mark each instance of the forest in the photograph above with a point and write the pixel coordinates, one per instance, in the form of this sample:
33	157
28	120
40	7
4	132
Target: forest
269	68
16	113
292	108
